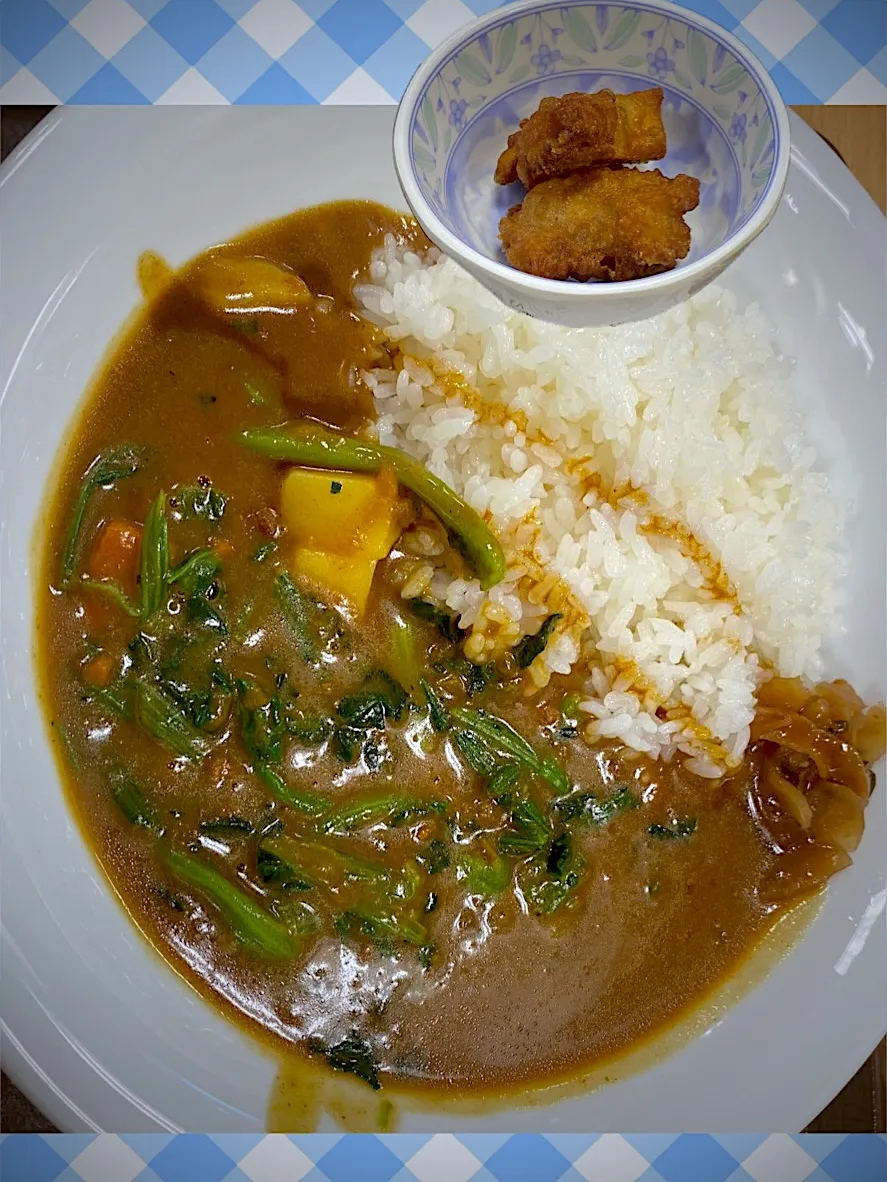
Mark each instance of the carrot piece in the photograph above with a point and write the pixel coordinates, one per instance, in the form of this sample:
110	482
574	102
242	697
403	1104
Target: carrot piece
116	552
99	670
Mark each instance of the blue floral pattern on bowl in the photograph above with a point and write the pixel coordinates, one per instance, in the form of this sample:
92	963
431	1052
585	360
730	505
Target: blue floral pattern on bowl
721	127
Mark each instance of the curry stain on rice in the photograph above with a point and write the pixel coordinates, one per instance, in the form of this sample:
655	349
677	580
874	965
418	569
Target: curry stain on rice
548	588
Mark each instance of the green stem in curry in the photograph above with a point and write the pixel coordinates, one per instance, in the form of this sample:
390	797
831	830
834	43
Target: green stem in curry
321	864
116	698
116	463
297	608
300	799
315	446
392	810
404	654
112	592
251	924
385	926
154	569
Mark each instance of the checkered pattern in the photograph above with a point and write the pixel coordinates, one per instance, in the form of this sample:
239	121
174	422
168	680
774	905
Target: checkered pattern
364	51
483	1157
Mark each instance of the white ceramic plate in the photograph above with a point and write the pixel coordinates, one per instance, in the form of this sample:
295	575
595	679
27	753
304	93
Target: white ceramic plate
98	1029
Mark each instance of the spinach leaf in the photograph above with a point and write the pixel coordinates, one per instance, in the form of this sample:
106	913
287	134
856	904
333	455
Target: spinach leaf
197	572
298	610
352	1055
549	878
347	741
198	578
132	802
496	734
262	729
379	698
436	710
558	858
530	833
301	799
478	677
117	463
384	927
113	592
277	872
221	677
308	729
164	721
528	649
502	781
585	806
195	704
442	620
481	875
199	500
145	703
319	864
264	551
434	857
484	761
681	827
116	698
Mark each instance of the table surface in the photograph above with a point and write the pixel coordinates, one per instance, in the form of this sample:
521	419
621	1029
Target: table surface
859	135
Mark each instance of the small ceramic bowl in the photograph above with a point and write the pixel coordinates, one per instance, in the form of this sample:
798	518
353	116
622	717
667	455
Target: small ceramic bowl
725	122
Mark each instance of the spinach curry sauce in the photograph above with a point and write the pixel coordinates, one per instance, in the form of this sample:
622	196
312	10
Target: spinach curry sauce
309	814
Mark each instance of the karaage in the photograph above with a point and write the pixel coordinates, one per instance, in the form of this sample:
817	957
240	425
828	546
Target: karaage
579	130
601	223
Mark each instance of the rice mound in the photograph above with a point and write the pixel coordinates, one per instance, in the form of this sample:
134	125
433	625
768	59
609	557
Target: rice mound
650	483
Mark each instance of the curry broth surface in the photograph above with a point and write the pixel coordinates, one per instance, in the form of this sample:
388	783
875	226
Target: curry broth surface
508	999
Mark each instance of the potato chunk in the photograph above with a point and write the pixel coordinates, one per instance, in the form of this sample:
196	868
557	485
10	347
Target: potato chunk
342	524
246	286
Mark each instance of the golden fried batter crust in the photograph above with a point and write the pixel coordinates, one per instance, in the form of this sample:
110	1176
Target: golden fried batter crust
579	130
601	223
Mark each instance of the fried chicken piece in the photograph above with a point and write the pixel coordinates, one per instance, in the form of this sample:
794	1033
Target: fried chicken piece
579	130
601	223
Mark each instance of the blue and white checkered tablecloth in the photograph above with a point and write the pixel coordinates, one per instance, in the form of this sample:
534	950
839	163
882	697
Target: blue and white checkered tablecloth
364	51
523	1157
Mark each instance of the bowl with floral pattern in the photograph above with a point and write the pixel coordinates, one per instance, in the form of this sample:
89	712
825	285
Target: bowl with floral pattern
725	122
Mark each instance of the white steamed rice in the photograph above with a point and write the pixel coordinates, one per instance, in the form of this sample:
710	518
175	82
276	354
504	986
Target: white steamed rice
573	443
